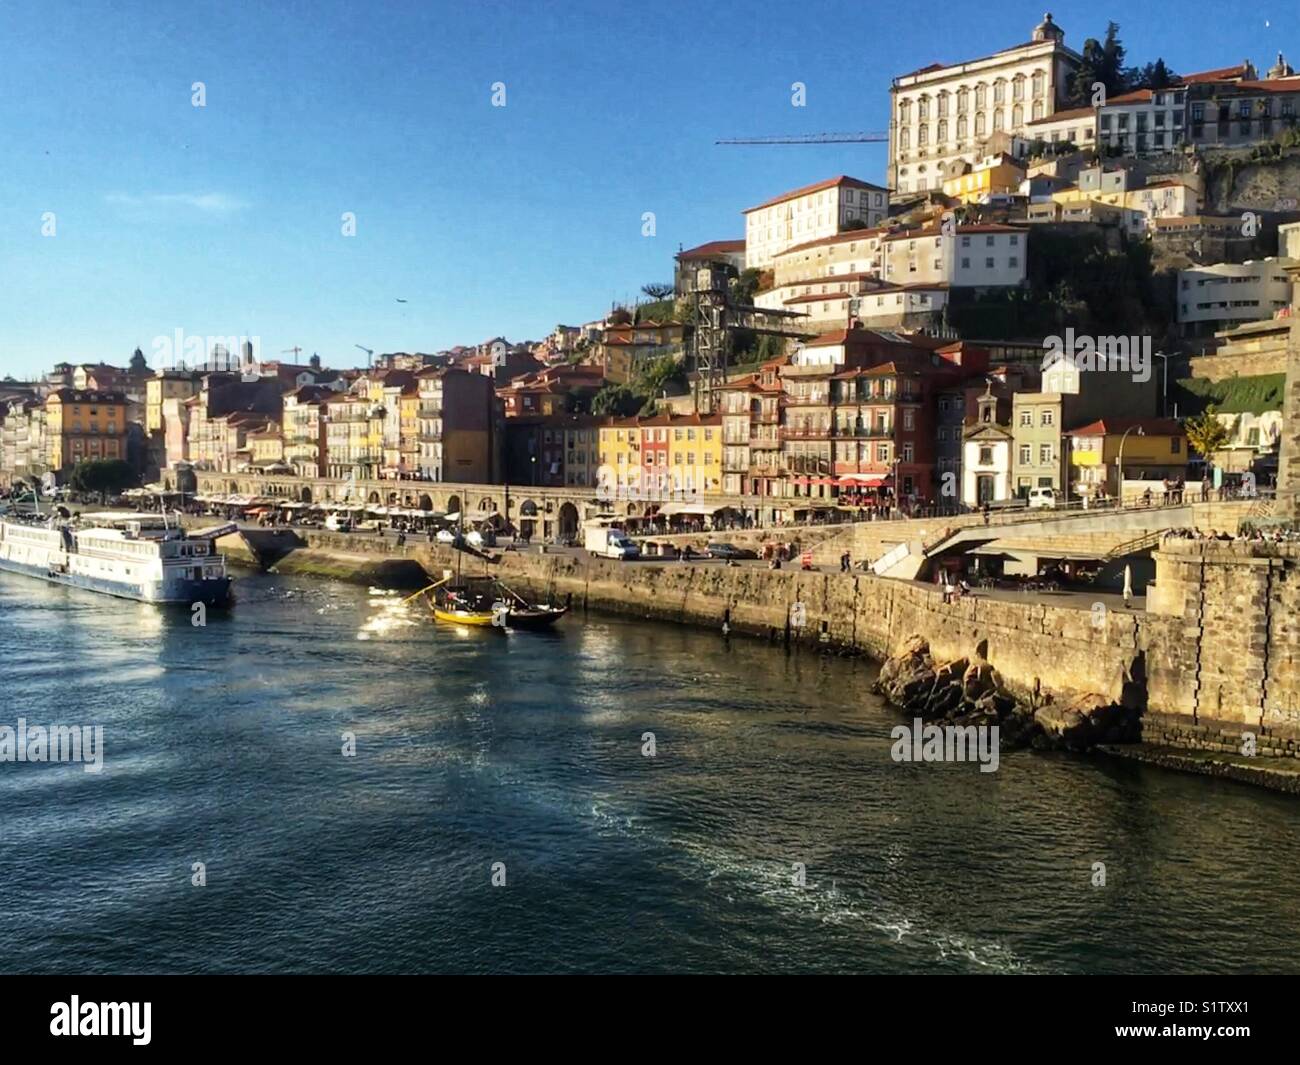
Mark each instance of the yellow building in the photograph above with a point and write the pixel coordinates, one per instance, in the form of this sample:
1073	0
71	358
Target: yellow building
267	445
1149	450
992	175
82	424
620	455
667	454
349	452
695	454
409	448
165	385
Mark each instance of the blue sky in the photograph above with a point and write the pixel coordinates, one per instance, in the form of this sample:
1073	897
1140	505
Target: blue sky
225	220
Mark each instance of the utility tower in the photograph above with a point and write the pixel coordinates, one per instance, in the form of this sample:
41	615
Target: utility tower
711	337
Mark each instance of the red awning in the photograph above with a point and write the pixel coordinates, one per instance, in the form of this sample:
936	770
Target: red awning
865	480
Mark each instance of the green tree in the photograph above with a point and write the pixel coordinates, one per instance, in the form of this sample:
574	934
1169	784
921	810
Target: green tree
657	291
1152	76
103	476
1205	432
1102	62
747	284
1112	61
618	400
655	375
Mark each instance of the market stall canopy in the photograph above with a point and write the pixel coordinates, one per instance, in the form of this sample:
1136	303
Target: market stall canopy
704	509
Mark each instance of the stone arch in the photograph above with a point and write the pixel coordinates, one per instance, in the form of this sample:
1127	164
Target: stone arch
633	510
305	495
527	519
568	519
233	488
486	503
425	502
392	499
373	497
453	504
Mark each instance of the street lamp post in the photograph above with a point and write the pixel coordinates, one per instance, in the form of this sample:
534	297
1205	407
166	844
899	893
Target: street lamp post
1164	383
1120	460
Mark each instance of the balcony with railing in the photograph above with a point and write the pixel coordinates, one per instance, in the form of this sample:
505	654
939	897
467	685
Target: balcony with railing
809	399
864	432
805	464
806	432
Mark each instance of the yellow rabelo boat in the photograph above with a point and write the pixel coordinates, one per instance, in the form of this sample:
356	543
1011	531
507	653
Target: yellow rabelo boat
486	602
467	602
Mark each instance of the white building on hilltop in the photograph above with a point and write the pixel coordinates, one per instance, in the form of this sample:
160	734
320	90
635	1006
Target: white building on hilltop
810	213
945	112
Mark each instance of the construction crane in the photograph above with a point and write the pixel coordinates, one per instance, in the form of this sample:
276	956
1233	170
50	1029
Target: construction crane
370	354
295	352
811	138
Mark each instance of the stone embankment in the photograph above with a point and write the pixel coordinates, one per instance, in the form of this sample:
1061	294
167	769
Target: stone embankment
969	691
1211	662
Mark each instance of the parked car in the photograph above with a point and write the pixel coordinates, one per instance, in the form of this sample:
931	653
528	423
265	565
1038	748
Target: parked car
729	551
1042	497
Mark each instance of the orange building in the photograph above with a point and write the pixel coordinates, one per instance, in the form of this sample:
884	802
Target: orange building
84	425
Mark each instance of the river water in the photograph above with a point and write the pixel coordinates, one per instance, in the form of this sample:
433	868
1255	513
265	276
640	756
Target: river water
523	753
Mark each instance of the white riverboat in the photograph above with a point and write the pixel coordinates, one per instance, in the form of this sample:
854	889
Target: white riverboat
135	556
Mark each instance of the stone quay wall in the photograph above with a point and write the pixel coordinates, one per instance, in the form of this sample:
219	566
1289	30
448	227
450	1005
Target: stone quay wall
1216	655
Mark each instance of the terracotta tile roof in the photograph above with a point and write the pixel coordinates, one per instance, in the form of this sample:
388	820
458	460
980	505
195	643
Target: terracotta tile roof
1273	85
847	237
1113	426
1064	116
831	183
713	247
1221	74
932	230
1134	97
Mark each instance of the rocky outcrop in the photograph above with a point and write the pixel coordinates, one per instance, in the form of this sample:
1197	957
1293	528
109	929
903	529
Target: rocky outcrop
970	692
1085	722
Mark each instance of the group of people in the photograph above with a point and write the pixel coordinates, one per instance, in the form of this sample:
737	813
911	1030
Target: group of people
953	591
1249	535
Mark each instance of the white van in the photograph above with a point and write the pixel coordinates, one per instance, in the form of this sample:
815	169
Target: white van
1042	497
609	543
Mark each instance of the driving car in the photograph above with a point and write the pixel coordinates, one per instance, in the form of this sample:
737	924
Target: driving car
729	551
